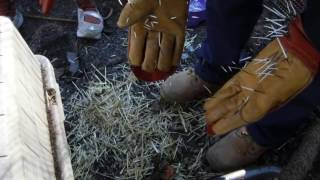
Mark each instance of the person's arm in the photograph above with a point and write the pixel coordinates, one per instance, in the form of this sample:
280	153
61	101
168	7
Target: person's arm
279	72
311	22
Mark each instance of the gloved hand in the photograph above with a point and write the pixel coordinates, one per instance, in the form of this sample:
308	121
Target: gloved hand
46	6
156	33
265	84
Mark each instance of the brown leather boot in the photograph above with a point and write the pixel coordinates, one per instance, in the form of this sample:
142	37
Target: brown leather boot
233	151
185	86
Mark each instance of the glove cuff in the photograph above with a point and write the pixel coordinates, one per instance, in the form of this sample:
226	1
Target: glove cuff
298	44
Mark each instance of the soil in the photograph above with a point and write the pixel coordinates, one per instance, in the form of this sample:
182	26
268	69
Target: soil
54	39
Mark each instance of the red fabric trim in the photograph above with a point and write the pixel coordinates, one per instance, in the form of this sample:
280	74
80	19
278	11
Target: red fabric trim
210	131
87	4
7	8
298	44
151	76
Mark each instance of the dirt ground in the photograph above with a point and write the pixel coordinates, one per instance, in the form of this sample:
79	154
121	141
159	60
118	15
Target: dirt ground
54	39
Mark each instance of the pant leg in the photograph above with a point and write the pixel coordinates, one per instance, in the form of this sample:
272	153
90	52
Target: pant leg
229	25
277	127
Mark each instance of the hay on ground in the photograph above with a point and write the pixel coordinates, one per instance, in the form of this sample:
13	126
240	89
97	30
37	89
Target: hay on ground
118	127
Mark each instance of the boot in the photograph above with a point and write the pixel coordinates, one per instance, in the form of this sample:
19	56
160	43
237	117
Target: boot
185	86
233	151
90	21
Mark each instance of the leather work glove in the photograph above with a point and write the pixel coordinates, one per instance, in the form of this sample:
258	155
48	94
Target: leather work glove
266	83
156	33
46	6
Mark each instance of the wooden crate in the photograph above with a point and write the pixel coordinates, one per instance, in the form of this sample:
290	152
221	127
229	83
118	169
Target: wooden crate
33	142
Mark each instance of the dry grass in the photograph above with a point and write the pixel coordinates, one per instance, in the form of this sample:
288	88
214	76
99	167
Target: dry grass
119	126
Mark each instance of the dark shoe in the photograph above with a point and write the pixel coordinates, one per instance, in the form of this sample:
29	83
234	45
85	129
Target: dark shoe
90	21
233	151
185	86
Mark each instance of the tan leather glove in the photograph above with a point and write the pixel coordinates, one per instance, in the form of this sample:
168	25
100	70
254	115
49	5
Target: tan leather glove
156	33
265	84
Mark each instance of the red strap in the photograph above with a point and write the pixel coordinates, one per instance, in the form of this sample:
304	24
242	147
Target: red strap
298	44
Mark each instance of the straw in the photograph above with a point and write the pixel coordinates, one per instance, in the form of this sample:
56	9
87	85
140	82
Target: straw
116	132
